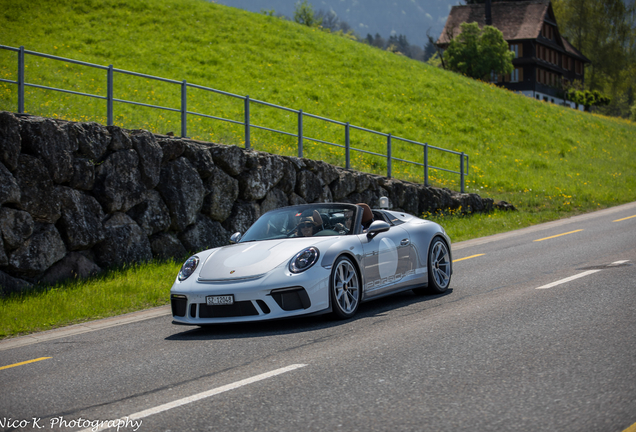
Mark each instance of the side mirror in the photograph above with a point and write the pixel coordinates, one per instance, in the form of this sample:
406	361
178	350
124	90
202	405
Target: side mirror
376	228
236	237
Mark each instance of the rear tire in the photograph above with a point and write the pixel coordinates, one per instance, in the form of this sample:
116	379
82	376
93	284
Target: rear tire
344	288
439	268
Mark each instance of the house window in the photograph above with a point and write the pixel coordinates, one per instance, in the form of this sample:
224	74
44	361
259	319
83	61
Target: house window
514	76
515	49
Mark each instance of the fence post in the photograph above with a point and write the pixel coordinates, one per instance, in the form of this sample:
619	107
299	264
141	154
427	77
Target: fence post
21	80
388	156
247	122
300	133
347	147
184	109
426	164
109	96
461	170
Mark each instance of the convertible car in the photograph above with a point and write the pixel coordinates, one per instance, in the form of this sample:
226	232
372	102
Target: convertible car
312	259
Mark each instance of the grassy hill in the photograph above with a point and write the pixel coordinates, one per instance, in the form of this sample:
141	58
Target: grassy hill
539	156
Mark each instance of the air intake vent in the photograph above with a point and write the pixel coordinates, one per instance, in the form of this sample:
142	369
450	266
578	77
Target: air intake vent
290	299
242	308
178	305
263	306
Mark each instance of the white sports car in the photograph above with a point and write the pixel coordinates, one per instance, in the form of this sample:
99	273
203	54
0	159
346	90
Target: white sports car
312	259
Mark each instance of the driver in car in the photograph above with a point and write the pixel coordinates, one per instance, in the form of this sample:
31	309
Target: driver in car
345	228
309	225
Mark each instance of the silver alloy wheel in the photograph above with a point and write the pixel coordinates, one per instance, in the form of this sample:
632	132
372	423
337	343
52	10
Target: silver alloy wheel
346	287
439	261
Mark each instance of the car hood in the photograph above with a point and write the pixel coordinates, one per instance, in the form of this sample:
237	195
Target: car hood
253	259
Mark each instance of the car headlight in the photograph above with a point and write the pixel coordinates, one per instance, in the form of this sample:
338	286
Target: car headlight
304	259
188	268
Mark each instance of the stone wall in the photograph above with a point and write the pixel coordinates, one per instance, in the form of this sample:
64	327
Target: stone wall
76	198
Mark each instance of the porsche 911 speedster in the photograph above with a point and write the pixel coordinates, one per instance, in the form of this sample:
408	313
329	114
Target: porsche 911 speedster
312	259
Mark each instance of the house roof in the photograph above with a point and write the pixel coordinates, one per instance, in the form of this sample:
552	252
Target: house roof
570	49
517	20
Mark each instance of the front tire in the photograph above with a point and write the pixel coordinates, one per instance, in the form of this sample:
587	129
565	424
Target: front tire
344	287
439	268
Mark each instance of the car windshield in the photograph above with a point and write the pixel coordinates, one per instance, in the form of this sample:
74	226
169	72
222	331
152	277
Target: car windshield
303	221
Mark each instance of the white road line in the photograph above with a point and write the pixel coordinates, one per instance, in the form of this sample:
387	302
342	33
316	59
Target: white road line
580	275
571	278
617	263
196	397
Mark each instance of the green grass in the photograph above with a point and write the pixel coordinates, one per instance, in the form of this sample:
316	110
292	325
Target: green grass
117	292
549	161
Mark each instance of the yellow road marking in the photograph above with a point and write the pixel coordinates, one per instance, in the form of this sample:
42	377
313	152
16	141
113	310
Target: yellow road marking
621	220
24	362
632	428
558	235
469	257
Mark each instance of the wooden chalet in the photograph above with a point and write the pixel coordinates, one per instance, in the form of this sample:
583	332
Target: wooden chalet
544	60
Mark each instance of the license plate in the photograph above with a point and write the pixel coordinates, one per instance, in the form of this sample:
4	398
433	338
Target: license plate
220	300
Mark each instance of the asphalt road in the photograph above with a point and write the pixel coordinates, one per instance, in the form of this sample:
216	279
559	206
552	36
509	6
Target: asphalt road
537	333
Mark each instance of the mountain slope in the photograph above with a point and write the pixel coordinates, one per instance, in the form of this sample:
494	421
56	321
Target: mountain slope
412	18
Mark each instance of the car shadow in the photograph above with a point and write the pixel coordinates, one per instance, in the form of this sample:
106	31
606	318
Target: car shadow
370	309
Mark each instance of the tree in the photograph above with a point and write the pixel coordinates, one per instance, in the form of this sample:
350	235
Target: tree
345	27
304	14
329	20
429	50
605	32
587	98
435	60
379	42
399	44
478	53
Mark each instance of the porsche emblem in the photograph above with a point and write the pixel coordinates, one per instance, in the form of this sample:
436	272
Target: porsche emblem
233	271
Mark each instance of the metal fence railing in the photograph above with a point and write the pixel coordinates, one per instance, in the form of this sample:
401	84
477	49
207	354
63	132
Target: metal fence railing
21	83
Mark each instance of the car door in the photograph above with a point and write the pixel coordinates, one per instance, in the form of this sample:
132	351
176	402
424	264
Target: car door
387	261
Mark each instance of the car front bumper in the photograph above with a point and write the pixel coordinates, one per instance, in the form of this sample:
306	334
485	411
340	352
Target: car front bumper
278	294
